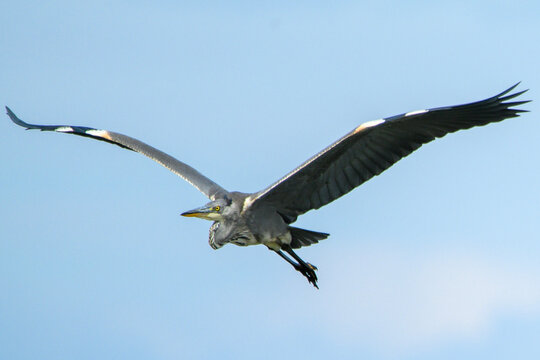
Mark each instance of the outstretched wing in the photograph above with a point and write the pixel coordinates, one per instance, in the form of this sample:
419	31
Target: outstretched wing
372	148
186	172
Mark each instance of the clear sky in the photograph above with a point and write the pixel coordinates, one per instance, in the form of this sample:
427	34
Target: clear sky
437	258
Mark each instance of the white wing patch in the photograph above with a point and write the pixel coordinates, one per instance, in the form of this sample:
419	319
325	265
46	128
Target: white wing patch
368	125
416	112
247	203
64	129
99	133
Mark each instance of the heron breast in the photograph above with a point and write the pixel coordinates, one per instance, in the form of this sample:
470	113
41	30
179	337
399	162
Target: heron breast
243	239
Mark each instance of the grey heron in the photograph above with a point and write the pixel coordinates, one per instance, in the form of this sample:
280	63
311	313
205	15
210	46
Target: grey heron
265	217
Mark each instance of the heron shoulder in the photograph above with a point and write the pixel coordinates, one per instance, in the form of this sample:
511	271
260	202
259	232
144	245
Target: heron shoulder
241	201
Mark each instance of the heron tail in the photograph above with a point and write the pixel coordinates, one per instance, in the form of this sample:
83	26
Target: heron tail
302	237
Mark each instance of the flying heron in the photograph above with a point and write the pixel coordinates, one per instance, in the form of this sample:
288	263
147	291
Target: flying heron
265	217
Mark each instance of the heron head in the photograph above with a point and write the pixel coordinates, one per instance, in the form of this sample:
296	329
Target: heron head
212	211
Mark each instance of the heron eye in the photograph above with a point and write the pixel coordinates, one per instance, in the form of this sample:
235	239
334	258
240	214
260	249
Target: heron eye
217	208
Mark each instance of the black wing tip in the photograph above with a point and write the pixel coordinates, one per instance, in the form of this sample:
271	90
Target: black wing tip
502	99
16	120
10	113
505	97
501	96
510	89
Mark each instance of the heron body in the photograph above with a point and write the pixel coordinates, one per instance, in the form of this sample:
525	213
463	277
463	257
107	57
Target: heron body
237	222
265	217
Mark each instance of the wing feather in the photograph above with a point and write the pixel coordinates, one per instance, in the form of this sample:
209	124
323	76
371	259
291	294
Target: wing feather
186	172
372	148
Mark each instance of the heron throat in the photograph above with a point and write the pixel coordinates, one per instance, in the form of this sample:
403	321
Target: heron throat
212	236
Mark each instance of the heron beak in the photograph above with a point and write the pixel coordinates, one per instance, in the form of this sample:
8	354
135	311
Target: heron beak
201	212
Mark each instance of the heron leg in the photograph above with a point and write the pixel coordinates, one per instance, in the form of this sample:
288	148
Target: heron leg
288	259
289	250
303	267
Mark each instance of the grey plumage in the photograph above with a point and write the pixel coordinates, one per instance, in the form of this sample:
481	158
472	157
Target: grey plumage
265	217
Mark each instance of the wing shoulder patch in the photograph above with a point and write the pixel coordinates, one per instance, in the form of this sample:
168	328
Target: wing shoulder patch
416	112
368	124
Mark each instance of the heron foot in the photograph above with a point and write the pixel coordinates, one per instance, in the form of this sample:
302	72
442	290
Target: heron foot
308	270
304	268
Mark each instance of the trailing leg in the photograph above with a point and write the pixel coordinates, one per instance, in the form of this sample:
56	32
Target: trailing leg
303	267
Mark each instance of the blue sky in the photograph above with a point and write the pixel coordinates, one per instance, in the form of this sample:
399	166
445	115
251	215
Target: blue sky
437	258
